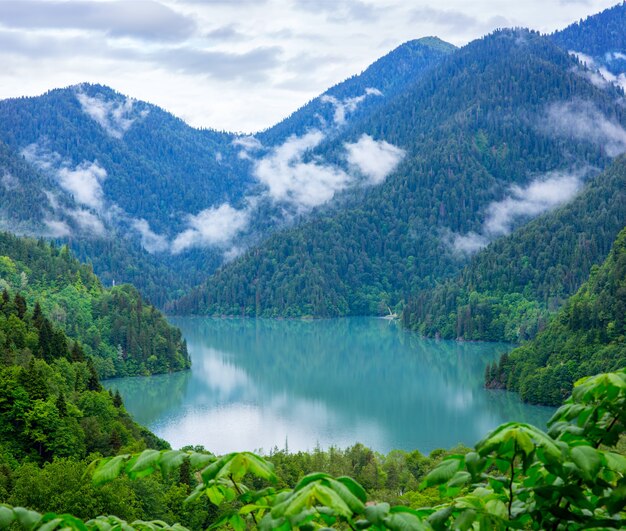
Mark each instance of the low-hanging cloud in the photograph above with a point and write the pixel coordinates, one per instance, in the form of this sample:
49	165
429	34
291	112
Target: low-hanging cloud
150	240
541	195
348	105
582	120
375	159
248	144
56	228
10	182
290	179
599	75
216	226
87	222
83	181
115	117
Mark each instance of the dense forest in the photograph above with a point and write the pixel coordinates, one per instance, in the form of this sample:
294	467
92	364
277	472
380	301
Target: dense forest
509	291
473	133
600	36
586	337
121	333
156	172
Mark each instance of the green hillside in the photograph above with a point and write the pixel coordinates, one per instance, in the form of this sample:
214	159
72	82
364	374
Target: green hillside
587	336
117	329
509	290
471	128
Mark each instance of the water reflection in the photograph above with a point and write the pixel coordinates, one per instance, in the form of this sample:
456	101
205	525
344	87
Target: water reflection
257	384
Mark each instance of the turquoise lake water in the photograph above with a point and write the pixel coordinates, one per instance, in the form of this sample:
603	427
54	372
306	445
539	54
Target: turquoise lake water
257	384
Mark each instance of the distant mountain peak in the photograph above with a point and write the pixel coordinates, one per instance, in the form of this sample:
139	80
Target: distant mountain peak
434	42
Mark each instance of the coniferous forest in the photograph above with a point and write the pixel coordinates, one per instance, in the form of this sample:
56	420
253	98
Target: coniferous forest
473	196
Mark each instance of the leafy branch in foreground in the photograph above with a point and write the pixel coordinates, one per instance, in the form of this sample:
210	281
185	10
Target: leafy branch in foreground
518	477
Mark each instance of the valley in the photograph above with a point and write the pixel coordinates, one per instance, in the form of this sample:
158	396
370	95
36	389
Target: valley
401	306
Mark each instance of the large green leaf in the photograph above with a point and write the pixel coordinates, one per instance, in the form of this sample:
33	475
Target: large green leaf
109	469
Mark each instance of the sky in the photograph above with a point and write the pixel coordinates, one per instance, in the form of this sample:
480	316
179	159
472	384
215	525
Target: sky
237	65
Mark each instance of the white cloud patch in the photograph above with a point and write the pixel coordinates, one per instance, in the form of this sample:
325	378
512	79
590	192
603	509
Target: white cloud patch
375	159
347	105
150	240
41	157
599	75
10	182
88	222
212	227
583	121
115	117
541	195
57	228
84	182
290	179
248	143
469	243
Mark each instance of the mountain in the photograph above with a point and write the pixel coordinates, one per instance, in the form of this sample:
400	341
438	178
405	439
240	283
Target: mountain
360	95
143	196
51	402
600	42
587	336
509	290
115	328
497	122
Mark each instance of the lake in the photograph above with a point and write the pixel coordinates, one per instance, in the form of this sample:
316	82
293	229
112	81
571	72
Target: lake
257	384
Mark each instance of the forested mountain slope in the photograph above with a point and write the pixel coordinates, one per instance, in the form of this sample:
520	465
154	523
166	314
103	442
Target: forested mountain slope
490	116
601	38
387	77
588	336
122	334
509	290
135	190
51	402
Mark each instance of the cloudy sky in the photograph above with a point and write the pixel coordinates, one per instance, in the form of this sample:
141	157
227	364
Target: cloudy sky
238	65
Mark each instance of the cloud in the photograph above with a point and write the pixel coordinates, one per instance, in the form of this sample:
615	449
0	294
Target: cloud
10	182
470	243
115	117
140	19
88	222
150	240
248	143
227	33
251	65
84	181
374	159
583	121
215	226
340	10
600	76
539	196
347	105
57	228
290	179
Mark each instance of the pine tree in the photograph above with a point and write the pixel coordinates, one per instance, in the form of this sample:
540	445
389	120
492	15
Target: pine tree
77	354
37	315
61	404
20	305
93	383
32	380
184	474
117	399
